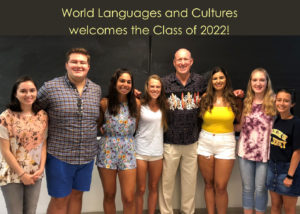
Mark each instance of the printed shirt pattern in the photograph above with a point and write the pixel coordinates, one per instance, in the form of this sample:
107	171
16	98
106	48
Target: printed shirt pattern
118	139
72	119
254	141
183	121
26	135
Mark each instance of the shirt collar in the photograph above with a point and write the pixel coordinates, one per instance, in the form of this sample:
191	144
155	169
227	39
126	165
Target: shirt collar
173	78
70	84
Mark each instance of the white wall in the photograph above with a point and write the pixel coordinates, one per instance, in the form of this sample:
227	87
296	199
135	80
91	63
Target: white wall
92	201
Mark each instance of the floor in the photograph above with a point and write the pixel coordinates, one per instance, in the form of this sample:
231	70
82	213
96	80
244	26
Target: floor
201	211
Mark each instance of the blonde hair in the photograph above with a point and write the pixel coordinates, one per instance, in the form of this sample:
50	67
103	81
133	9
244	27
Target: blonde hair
269	96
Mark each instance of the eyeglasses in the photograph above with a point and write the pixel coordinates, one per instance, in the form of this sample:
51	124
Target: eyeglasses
79	105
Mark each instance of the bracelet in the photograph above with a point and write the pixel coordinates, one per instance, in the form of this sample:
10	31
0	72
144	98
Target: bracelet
20	176
290	177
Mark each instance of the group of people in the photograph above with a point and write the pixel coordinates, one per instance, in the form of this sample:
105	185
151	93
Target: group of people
183	120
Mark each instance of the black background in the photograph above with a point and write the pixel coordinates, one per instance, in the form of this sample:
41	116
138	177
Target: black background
34	38
43	58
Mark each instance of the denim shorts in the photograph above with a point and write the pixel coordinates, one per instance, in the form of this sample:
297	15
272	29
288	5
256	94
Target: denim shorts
277	172
221	146
63	177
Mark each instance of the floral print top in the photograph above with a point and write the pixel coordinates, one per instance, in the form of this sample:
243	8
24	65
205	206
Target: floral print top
254	141
117	146
26	135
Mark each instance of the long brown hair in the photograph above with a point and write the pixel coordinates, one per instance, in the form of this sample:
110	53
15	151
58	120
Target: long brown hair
207	102
113	101
161	100
269	96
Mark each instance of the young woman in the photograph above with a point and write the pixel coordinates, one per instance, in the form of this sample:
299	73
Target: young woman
283	178
216	144
149	142
118	119
23	130
253	149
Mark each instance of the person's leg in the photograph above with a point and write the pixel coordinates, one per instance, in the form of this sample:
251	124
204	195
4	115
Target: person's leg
59	183
188	175
155	170
223	169
127	180
31	197
206	167
247	171
261	192
289	204
166	187
81	182
58	205
13	196
75	202
108	180
141	174
276	203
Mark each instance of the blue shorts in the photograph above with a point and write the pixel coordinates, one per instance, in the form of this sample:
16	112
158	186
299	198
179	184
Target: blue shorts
63	177
277	172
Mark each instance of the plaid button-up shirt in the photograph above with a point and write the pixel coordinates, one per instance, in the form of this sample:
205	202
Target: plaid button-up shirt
72	119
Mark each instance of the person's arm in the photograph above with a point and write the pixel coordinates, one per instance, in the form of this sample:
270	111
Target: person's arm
138	108
137	93
42	97
103	108
238	126
10	159
293	166
239	103
39	172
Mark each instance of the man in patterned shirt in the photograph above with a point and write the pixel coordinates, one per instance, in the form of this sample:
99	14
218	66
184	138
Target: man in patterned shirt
72	103
183	90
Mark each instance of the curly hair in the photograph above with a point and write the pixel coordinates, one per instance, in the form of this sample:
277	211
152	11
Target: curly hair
14	104
269	96
161	100
207	101
113	101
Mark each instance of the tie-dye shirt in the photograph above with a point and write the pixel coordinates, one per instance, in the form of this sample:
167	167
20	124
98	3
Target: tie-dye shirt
254	141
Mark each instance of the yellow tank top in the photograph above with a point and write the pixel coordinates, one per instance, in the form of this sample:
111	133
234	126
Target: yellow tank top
219	120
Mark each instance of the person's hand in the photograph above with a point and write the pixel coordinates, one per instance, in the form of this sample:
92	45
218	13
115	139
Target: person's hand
102	130
27	179
137	93
37	175
239	93
288	182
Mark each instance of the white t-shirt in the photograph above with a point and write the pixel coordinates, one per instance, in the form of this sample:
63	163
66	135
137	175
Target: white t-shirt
149	136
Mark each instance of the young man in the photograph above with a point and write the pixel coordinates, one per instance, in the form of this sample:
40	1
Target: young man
72	103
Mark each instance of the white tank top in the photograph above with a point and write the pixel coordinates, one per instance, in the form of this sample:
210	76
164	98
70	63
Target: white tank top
149	136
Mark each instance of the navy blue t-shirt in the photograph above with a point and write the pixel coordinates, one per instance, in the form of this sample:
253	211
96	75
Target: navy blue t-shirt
285	139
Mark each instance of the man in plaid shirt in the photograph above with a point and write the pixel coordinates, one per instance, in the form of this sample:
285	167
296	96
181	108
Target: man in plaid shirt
72	103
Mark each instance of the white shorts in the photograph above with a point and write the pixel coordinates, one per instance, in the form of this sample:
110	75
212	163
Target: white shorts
148	158
221	146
